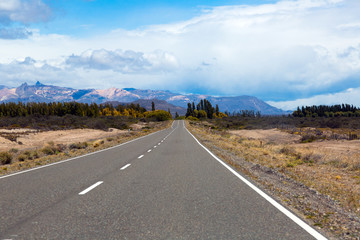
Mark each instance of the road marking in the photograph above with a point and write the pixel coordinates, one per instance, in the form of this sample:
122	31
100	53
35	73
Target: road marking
149	150
90	188
74	158
159	143
140	156
127	165
162	140
282	209
154	146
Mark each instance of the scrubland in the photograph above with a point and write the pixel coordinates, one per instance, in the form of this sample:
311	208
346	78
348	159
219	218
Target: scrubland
22	149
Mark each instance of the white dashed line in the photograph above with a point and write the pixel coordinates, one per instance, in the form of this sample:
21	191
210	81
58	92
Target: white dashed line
159	143
154	146
90	188
140	156
127	165
149	150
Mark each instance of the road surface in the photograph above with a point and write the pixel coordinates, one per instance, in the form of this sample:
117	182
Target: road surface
162	186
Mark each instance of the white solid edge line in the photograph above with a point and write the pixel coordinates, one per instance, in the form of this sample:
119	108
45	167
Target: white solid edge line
124	167
140	156
90	188
85	155
282	209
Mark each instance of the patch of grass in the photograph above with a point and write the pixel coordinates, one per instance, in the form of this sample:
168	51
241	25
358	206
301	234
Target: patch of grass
355	167
5	158
311	158
14	150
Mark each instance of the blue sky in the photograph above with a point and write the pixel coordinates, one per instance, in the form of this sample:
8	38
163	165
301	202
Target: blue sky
287	52
82	17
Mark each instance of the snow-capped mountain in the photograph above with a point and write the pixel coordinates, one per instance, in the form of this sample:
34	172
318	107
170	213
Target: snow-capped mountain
48	93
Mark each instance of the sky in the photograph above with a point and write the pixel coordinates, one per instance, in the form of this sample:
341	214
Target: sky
287	52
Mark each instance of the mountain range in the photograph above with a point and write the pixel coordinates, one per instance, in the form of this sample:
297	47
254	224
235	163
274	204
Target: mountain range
48	93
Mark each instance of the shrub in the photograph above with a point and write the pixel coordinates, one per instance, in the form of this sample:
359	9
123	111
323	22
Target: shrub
158	115
191	118
60	147
180	118
5	158
35	154
308	138
78	145
49	150
14	150
22	157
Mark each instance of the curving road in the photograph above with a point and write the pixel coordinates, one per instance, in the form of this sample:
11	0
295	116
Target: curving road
162	186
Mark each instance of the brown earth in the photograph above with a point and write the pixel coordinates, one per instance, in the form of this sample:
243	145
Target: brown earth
31	138
269	135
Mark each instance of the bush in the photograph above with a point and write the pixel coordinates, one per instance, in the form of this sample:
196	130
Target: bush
191	118
308	138
158	115
49	150
22	157
14	150
78	145
5	158
180	118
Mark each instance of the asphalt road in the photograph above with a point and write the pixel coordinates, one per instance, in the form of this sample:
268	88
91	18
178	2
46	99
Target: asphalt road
162	186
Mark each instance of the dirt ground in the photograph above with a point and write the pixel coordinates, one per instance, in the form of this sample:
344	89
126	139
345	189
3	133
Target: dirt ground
29	139
270	135
281	137
333	146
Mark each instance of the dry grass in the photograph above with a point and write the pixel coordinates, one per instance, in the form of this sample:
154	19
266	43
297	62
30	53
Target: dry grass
331	168
54	152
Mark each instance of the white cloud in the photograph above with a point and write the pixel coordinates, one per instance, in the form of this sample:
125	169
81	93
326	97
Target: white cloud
23	11
287	50
124	61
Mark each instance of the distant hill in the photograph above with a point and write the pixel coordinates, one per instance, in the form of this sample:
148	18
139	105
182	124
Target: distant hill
161	105
48	93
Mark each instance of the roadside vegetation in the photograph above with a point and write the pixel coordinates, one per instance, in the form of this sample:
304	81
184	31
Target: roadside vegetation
19	120
309	163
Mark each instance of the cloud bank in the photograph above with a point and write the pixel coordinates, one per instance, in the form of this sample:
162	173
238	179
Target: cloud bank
284	53
124	61
21	12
